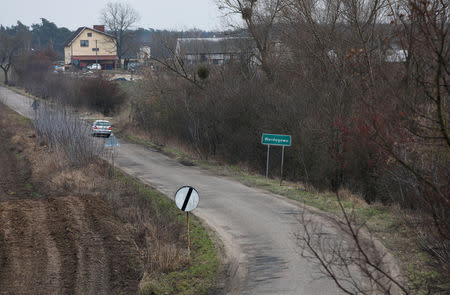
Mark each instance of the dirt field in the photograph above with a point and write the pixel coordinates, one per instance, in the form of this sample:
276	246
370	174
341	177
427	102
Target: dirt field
57	243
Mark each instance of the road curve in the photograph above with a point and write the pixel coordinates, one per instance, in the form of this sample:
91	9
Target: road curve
258	229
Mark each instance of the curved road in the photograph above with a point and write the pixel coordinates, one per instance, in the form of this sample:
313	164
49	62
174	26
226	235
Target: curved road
257	228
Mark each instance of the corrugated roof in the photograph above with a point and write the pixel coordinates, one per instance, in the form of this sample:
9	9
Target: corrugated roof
214	45
78	32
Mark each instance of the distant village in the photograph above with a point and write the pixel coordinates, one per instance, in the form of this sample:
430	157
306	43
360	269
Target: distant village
93	48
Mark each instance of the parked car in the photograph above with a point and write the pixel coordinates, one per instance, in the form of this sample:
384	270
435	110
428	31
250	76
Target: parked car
132	66
101	128
58	68
94	67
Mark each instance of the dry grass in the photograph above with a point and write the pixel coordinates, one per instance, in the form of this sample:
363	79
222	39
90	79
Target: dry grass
166	258
152	219
157	231
347	195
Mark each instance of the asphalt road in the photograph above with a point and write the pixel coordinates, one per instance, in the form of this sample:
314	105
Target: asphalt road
258	229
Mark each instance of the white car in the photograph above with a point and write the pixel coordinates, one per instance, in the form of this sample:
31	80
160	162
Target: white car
101	128
94	67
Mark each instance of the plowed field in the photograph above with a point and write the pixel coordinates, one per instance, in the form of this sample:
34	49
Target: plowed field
58	244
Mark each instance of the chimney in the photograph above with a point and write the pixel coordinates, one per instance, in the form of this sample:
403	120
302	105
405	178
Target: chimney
100	28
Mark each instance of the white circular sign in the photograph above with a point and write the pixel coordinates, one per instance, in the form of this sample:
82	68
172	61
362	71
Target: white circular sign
186	198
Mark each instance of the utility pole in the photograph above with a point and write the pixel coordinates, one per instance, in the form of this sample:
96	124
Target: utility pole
96	55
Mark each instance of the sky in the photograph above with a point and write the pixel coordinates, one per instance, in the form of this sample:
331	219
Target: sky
156	14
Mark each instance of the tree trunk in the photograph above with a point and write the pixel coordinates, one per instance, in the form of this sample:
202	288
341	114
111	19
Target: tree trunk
5	71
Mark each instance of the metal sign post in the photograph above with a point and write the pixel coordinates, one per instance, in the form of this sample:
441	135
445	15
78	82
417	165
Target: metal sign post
267	162
187	234
112	143
282	160
275	139
112	158
186	199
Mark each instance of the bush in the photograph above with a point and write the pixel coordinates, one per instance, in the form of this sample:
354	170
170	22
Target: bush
95	93
102	95
226	119
67	135
33	71
203	73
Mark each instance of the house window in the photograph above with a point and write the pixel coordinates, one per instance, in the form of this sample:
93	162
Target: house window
89	34
94	49
84	43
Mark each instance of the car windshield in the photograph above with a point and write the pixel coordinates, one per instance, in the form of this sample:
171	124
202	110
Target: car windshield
102	123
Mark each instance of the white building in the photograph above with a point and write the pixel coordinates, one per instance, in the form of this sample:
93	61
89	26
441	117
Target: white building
396	55
144	54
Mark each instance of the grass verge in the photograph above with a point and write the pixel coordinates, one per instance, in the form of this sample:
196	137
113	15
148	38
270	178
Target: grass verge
197	278
199	274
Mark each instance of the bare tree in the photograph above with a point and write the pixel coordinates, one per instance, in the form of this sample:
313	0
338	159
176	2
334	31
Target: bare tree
401	102
119	19
14	42
8	48
424	32
365	120
167	56
260	19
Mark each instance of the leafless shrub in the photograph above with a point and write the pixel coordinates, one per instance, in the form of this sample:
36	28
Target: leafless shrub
34	69
96	93
63	131
101	95
356	262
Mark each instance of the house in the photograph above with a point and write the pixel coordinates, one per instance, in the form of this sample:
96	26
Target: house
217	51
144	54
89	46
137	56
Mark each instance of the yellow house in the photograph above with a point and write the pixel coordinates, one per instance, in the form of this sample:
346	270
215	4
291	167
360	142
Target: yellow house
89	46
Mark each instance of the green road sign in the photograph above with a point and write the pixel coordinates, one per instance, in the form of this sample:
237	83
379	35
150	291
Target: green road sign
276	139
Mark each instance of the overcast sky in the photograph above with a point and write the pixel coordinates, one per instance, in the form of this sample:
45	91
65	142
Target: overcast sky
157	14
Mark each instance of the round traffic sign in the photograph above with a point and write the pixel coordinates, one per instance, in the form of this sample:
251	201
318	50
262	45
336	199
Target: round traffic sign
186	198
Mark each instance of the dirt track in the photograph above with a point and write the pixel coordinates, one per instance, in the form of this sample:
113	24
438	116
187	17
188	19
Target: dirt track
58	244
